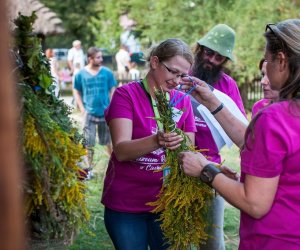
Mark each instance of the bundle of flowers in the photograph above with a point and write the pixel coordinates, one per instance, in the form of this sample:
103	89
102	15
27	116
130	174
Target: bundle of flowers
54	197
182	200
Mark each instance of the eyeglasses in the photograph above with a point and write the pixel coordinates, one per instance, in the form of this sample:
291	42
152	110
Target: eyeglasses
210	53
173	72
268	26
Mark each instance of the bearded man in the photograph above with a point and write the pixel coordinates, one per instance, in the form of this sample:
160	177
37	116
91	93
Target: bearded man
212	52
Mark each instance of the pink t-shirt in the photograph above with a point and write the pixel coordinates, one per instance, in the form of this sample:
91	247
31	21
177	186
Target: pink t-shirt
275	152
129	185
203	137
259	105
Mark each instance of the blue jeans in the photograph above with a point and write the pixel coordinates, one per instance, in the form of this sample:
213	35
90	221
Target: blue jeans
134	231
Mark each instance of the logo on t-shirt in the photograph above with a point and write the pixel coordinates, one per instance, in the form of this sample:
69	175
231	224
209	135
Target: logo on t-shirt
152	161
199	122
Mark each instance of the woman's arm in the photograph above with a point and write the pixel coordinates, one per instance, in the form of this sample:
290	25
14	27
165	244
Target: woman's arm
255	196
233	127
126	148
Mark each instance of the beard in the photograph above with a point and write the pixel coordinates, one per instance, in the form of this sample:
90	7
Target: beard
96	65
206	71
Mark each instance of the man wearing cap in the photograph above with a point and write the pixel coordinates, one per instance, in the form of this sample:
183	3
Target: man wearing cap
212	52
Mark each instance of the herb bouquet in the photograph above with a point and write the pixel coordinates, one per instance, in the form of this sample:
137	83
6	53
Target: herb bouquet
54	199
182	200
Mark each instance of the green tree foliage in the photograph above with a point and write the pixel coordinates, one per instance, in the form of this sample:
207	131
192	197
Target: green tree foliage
189	20
105	25
97	23
76	16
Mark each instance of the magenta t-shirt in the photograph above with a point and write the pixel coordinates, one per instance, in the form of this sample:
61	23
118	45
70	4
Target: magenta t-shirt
259	105
275	152
203	137
129	185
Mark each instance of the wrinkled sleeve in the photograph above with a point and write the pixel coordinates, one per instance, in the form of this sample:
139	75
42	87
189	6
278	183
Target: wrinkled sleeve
120	106
112	80
78	82
265	149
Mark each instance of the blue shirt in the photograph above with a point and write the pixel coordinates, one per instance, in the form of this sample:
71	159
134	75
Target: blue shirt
95	89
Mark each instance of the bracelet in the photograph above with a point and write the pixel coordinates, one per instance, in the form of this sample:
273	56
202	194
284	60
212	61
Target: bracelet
209	173
218	109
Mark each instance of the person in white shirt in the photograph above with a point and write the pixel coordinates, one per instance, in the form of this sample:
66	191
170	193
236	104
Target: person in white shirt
134	73
122	59
76	60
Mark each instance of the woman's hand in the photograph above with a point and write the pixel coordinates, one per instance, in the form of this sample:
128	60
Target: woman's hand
192	163
202	92
171	141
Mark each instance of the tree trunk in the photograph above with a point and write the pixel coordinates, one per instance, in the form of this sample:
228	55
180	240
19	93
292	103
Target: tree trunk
11	219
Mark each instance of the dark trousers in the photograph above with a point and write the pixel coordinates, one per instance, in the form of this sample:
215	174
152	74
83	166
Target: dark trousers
134	231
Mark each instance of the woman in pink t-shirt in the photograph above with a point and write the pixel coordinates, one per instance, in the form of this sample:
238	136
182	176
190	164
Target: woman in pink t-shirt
132	178
270	95
269	192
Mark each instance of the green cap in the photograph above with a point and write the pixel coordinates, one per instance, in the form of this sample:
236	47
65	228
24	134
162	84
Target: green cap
220	39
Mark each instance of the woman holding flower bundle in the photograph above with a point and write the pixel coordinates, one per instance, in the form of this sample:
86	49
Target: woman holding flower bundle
132	177
269	192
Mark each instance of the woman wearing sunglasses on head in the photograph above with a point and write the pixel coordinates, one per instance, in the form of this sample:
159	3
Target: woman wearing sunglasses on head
269	192
132	178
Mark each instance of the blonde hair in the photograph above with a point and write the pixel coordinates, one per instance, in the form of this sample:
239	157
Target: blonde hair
170	48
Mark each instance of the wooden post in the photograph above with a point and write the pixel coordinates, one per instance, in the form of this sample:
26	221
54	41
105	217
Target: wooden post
11	219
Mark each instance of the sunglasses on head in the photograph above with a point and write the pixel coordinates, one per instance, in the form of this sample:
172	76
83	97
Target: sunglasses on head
272	30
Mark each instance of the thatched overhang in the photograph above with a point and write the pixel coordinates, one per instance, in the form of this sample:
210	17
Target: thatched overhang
47	23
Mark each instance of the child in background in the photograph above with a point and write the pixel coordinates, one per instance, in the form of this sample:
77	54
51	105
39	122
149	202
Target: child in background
134	73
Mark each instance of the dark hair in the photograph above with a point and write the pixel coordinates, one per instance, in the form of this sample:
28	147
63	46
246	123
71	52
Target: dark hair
261	63
92	51
285	37
170	48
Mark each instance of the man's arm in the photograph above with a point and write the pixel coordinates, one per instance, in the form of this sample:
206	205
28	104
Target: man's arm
78	99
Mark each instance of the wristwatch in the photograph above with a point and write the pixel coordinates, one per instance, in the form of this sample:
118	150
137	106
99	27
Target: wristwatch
209	173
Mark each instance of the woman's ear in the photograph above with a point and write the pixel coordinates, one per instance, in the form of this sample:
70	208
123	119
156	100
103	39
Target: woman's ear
283	62
154	61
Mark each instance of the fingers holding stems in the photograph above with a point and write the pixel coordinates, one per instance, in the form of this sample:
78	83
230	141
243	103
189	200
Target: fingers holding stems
169	140
192	163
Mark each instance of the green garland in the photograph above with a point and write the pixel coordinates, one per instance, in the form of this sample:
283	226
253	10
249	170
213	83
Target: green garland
55	204
183	200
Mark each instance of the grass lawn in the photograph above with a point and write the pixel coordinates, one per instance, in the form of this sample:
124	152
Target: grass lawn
231	215
94	236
